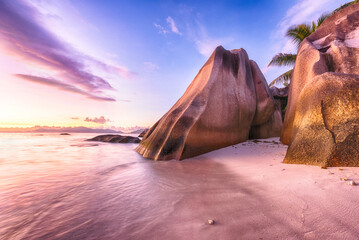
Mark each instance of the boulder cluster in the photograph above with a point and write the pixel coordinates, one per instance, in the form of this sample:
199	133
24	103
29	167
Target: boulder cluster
321	125
229	102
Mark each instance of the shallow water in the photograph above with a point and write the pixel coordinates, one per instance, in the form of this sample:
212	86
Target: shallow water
62	187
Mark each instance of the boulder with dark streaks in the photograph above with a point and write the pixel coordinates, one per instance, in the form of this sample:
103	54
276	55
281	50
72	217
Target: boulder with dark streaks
228	96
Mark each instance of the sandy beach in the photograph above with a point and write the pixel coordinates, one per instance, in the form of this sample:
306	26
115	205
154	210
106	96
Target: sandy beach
70	189
179	120
252	195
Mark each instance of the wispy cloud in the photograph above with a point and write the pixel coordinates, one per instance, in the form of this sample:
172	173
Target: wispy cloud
99	120
170	28
161	29
194	30
63	86
150	66
22	36
204	43
173	26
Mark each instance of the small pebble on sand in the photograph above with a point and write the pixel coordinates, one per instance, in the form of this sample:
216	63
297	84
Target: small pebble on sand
352	183
210	221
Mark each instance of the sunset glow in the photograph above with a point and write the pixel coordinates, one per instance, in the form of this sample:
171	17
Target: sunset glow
61	60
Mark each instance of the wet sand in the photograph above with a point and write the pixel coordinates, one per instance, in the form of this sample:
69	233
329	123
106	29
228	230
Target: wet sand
245	188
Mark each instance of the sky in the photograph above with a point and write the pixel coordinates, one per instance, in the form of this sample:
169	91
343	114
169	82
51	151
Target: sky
120	64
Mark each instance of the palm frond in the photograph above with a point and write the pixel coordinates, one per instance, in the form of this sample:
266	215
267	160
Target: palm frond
314	27
284	78
283	59
299	32
345	5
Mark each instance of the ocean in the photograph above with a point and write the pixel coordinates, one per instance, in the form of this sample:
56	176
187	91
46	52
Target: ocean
62	187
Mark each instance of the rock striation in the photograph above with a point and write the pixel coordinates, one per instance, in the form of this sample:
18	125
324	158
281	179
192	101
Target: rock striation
115	139
228	97
321	125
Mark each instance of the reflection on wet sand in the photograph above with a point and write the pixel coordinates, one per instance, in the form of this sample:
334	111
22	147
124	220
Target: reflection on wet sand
59	191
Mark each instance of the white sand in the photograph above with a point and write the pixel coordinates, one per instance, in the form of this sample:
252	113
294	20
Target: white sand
252	195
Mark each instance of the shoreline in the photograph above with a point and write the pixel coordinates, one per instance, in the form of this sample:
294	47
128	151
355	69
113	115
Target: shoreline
108	191
251	194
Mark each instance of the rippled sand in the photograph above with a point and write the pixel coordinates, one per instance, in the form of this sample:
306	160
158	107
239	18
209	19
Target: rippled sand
60	187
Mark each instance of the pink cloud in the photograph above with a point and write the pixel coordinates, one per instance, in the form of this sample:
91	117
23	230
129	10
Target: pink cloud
100	120
22	36
63	86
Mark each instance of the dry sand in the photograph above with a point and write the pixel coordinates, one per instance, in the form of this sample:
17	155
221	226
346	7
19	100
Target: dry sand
251	195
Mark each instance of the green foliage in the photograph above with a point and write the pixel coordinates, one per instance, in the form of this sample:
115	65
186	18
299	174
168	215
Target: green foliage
297	33
284	79
283	59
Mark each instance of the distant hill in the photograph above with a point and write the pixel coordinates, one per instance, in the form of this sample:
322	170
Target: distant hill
138	131
45	129
77	130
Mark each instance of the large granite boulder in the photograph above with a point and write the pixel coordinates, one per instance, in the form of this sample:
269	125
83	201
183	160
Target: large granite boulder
228	96
321	125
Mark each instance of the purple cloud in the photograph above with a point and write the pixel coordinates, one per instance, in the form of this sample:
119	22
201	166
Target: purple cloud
23	36
100	120
63	86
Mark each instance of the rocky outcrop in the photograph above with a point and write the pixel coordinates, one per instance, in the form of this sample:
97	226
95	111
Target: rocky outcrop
279	92
115	139
280	96
271	128
321	125
142	134
228	96
267	121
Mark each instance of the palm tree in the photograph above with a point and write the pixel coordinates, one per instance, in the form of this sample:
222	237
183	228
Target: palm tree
297	33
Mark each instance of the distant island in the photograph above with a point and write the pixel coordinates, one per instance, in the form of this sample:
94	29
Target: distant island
48	129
